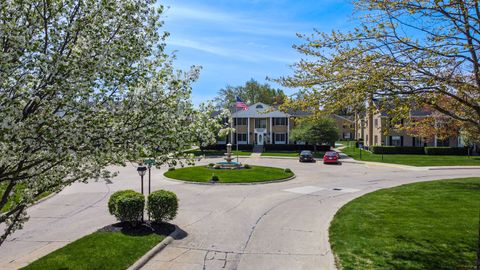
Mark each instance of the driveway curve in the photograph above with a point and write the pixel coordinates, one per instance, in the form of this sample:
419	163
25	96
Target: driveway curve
272	226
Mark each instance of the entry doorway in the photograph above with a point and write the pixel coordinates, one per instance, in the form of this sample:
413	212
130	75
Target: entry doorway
259	138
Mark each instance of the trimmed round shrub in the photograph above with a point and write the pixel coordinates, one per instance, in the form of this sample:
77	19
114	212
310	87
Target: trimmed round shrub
214	178
162	205
127	205
211	165
287	170
246	166
112	201
171	169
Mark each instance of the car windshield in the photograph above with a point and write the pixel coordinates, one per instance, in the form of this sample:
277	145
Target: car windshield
331	154
305	153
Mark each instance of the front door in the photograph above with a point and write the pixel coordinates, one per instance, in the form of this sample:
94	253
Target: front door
259	139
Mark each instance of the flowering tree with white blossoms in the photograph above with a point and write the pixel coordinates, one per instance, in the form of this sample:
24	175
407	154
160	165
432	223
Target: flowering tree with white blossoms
85	84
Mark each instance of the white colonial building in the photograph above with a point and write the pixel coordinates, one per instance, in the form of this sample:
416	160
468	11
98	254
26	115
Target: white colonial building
261	124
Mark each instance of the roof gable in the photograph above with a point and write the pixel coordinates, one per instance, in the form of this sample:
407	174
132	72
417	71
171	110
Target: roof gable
260	110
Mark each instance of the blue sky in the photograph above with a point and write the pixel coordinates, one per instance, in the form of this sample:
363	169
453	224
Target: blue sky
236	40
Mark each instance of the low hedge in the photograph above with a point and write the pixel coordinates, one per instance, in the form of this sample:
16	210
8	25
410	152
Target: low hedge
414	150
295	147
127	205
398	150
162	205
452	151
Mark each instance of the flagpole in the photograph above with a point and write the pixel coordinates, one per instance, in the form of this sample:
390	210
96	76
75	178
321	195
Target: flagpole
236	111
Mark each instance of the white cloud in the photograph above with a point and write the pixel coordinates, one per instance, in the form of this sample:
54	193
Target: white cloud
232	53
235	22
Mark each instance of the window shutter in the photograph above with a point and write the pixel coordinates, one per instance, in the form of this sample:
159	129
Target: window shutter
401	140
273	138
413	141
389	140
273	121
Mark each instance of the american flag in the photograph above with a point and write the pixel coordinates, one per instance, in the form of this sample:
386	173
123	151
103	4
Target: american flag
239	104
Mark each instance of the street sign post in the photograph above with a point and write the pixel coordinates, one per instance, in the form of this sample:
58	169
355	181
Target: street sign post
149	162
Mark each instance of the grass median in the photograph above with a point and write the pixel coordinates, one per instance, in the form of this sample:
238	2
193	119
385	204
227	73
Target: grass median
105	249
253	174
429	225
412	160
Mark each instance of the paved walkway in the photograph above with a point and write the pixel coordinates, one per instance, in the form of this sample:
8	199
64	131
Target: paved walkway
270	226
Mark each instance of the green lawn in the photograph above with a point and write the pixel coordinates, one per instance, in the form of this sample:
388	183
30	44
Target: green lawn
413	160
289	154
218	152
430	225
204	174
99	250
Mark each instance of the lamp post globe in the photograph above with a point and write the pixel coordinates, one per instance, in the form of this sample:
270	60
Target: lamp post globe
141	170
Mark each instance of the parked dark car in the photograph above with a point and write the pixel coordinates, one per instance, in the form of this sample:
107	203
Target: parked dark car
331	157
306	156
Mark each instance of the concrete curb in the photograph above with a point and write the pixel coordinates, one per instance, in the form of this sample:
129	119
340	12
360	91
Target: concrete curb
232	184
415	168
44	199
155	250
454	168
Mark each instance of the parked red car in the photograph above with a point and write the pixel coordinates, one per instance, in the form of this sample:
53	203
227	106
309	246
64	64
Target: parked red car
331	157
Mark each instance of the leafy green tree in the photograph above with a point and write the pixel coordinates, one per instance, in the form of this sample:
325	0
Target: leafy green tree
252	92
406	54
83	85
316	131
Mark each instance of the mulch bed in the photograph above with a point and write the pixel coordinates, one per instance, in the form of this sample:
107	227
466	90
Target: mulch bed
145	228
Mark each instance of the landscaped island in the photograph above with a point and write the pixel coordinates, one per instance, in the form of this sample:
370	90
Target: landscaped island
429	225
246	175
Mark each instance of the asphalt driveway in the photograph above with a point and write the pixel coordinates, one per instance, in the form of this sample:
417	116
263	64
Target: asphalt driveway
267	226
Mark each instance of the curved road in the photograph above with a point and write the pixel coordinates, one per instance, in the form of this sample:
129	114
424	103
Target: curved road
268	226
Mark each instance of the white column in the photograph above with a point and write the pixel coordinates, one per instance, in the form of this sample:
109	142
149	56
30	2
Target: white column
248	130
288	130
231	133
271	127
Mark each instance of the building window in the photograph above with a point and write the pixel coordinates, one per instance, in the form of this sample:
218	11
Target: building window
241	121
396	141
375	140
417	142
241	137
280	138
376	123
281	121
260	123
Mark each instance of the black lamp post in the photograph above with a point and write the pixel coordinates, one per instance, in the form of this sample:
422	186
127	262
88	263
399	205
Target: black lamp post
141	171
